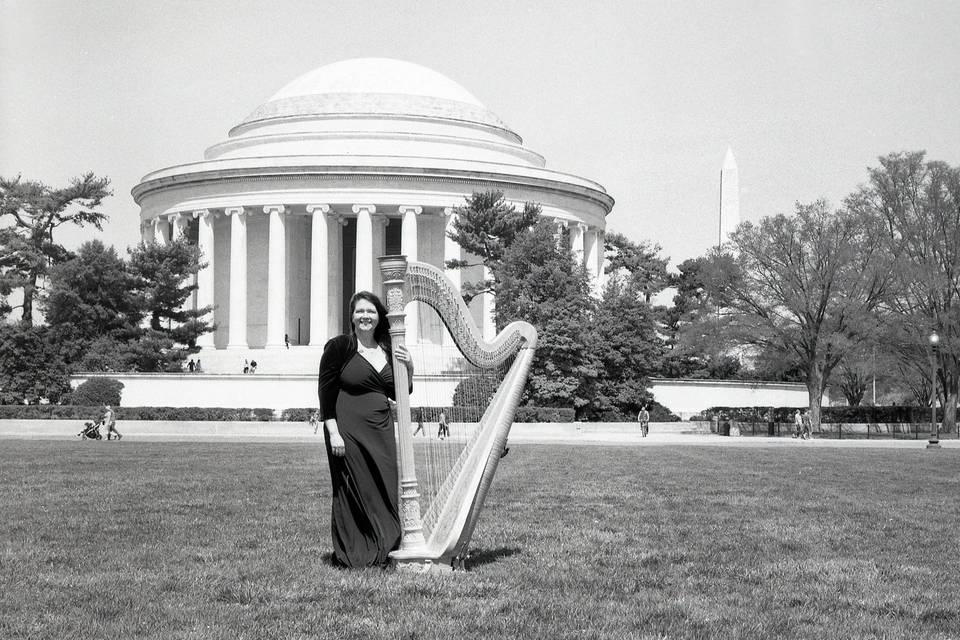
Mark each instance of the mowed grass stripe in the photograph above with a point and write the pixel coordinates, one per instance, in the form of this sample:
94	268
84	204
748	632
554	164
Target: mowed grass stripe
231	540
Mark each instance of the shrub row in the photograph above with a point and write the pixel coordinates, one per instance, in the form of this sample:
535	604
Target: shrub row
218	414
81	412
828	415
458	414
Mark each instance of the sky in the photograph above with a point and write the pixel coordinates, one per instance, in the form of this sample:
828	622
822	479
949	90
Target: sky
642	97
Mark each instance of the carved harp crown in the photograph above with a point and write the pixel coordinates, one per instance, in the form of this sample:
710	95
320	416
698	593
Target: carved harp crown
440	538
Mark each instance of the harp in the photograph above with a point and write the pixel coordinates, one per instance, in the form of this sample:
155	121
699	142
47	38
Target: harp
439	538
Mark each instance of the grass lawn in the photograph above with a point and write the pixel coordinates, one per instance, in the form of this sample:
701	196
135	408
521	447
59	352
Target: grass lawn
231	540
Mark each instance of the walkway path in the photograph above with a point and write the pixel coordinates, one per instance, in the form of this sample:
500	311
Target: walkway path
563	433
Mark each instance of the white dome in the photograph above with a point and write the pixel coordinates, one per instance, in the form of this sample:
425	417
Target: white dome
376	75
374	87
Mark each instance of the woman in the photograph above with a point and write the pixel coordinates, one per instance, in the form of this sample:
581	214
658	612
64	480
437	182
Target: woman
356	380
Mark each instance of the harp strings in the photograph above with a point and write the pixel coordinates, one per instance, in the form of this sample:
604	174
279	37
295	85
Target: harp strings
445	383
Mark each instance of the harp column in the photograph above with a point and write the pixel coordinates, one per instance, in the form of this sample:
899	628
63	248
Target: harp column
411	554
276	276
364	252
408	247
237	322
319	274
205	280
451	251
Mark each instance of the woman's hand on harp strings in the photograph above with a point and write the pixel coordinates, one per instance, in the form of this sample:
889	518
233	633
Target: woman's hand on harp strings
403	355
337	447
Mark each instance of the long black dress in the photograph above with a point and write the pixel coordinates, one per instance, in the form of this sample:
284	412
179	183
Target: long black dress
365	525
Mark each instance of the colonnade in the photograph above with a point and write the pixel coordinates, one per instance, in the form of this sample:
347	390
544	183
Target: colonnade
326	241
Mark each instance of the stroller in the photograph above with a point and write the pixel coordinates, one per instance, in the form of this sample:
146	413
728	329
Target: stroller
91	430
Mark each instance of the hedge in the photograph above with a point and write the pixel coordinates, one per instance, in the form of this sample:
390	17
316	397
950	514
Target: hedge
79	412
219	414
828	415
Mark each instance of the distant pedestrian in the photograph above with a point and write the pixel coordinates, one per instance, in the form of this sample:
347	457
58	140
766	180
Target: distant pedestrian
190	365
771	424
419	428
109	420
286	340
197	366
315	421
246	366
253	366
644	419
797	424
806	425
444	429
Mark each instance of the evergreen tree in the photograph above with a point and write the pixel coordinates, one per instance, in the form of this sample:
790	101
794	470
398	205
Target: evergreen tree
630	349
30	212
93	295
163	276
486	226
31	365
540	283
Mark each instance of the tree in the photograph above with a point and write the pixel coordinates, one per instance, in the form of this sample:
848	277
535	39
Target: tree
696	346
629	347
486	226
806	284
539	282
94	295
919	203
644	268
31	365
33	211
163	276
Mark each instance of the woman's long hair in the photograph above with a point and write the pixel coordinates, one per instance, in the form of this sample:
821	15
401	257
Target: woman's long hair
382	331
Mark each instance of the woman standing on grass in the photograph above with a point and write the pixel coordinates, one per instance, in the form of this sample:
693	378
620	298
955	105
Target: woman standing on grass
355	385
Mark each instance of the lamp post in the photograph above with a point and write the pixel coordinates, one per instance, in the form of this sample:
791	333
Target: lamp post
934	441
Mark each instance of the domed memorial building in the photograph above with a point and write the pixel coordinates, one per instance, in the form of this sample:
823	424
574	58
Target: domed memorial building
352	161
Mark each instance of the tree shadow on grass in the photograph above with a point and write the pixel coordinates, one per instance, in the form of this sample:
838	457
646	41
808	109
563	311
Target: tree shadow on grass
480	557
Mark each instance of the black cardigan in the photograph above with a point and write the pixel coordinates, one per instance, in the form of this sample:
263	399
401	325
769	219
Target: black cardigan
336	354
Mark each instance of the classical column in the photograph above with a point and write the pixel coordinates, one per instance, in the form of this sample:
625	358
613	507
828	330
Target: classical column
276	276
161	231
237	337
205	281
590	259
319	274
451	251
146	231
489	306
408	247
379	248
576	241
601	258
178	226
364	253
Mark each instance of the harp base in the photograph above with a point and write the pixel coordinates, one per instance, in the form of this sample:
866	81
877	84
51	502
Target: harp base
416	561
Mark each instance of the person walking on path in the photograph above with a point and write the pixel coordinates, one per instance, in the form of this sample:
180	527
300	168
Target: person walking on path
806	425
419	428
444	428
644	419
797	424
110	422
